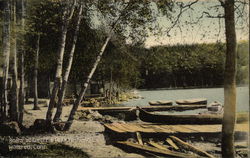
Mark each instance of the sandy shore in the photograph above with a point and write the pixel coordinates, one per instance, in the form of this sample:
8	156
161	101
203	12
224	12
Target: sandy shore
85	135
88	136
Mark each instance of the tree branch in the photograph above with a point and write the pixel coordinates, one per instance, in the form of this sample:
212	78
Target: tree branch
213	16
242	2
183	8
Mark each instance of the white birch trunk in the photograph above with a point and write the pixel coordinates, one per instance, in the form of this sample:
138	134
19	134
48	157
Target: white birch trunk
35	91
14	89
6	54
85	86
68	68
58	78
22	51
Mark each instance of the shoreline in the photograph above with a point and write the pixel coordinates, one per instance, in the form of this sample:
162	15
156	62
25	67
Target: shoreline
86	138
184	88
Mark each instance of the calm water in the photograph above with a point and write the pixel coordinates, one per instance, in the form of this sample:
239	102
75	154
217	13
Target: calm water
212	94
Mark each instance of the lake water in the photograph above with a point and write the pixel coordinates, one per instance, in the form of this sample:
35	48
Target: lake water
212	94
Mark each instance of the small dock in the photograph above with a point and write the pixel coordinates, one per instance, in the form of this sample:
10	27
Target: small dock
169	129
147	108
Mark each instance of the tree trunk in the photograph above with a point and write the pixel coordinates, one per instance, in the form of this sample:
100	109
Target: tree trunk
110	85
57	82
228	126
68	68
6	54
14	88
27	92
75	88
35	91
21	90
85	87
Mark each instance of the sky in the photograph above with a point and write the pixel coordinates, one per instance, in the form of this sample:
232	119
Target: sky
207	30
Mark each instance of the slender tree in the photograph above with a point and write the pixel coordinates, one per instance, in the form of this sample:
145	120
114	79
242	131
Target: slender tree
85	86
68	12
68	68
122	15
229	82
35	90
14	89
6	54
86	83
22	53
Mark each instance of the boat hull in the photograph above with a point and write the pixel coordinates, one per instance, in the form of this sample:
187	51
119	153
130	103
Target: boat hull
179	119
191	102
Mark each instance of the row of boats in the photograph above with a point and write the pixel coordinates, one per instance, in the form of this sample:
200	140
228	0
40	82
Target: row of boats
195	101
157	133
213	115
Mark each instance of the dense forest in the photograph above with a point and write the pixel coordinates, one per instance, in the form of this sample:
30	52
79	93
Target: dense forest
197	65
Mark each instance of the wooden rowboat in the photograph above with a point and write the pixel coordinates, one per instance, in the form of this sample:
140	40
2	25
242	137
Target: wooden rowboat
179	119
147	108
192	101
161	102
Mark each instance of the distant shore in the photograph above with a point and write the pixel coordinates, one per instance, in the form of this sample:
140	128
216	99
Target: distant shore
189	87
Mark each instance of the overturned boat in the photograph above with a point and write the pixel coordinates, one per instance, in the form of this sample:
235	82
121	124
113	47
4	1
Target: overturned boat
196	101
160	102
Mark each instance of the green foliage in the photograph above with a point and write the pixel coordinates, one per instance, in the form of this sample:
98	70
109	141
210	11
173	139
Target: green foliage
120	65
45	22
242	77
197	65
130	18
131	64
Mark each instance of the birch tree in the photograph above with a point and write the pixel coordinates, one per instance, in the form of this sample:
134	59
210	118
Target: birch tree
85	86
35	90
123	16
14	89
22	53
68	68
6	54
68	12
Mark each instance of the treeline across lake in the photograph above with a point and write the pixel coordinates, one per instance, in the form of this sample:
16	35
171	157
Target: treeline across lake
196	65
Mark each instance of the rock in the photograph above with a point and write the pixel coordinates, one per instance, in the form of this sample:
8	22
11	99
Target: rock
96	115
108	119
59	126
89	112
10	129
96	104
88	116
46	104
41	126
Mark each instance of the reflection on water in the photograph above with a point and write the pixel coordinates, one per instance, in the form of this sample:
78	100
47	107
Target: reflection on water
212	94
